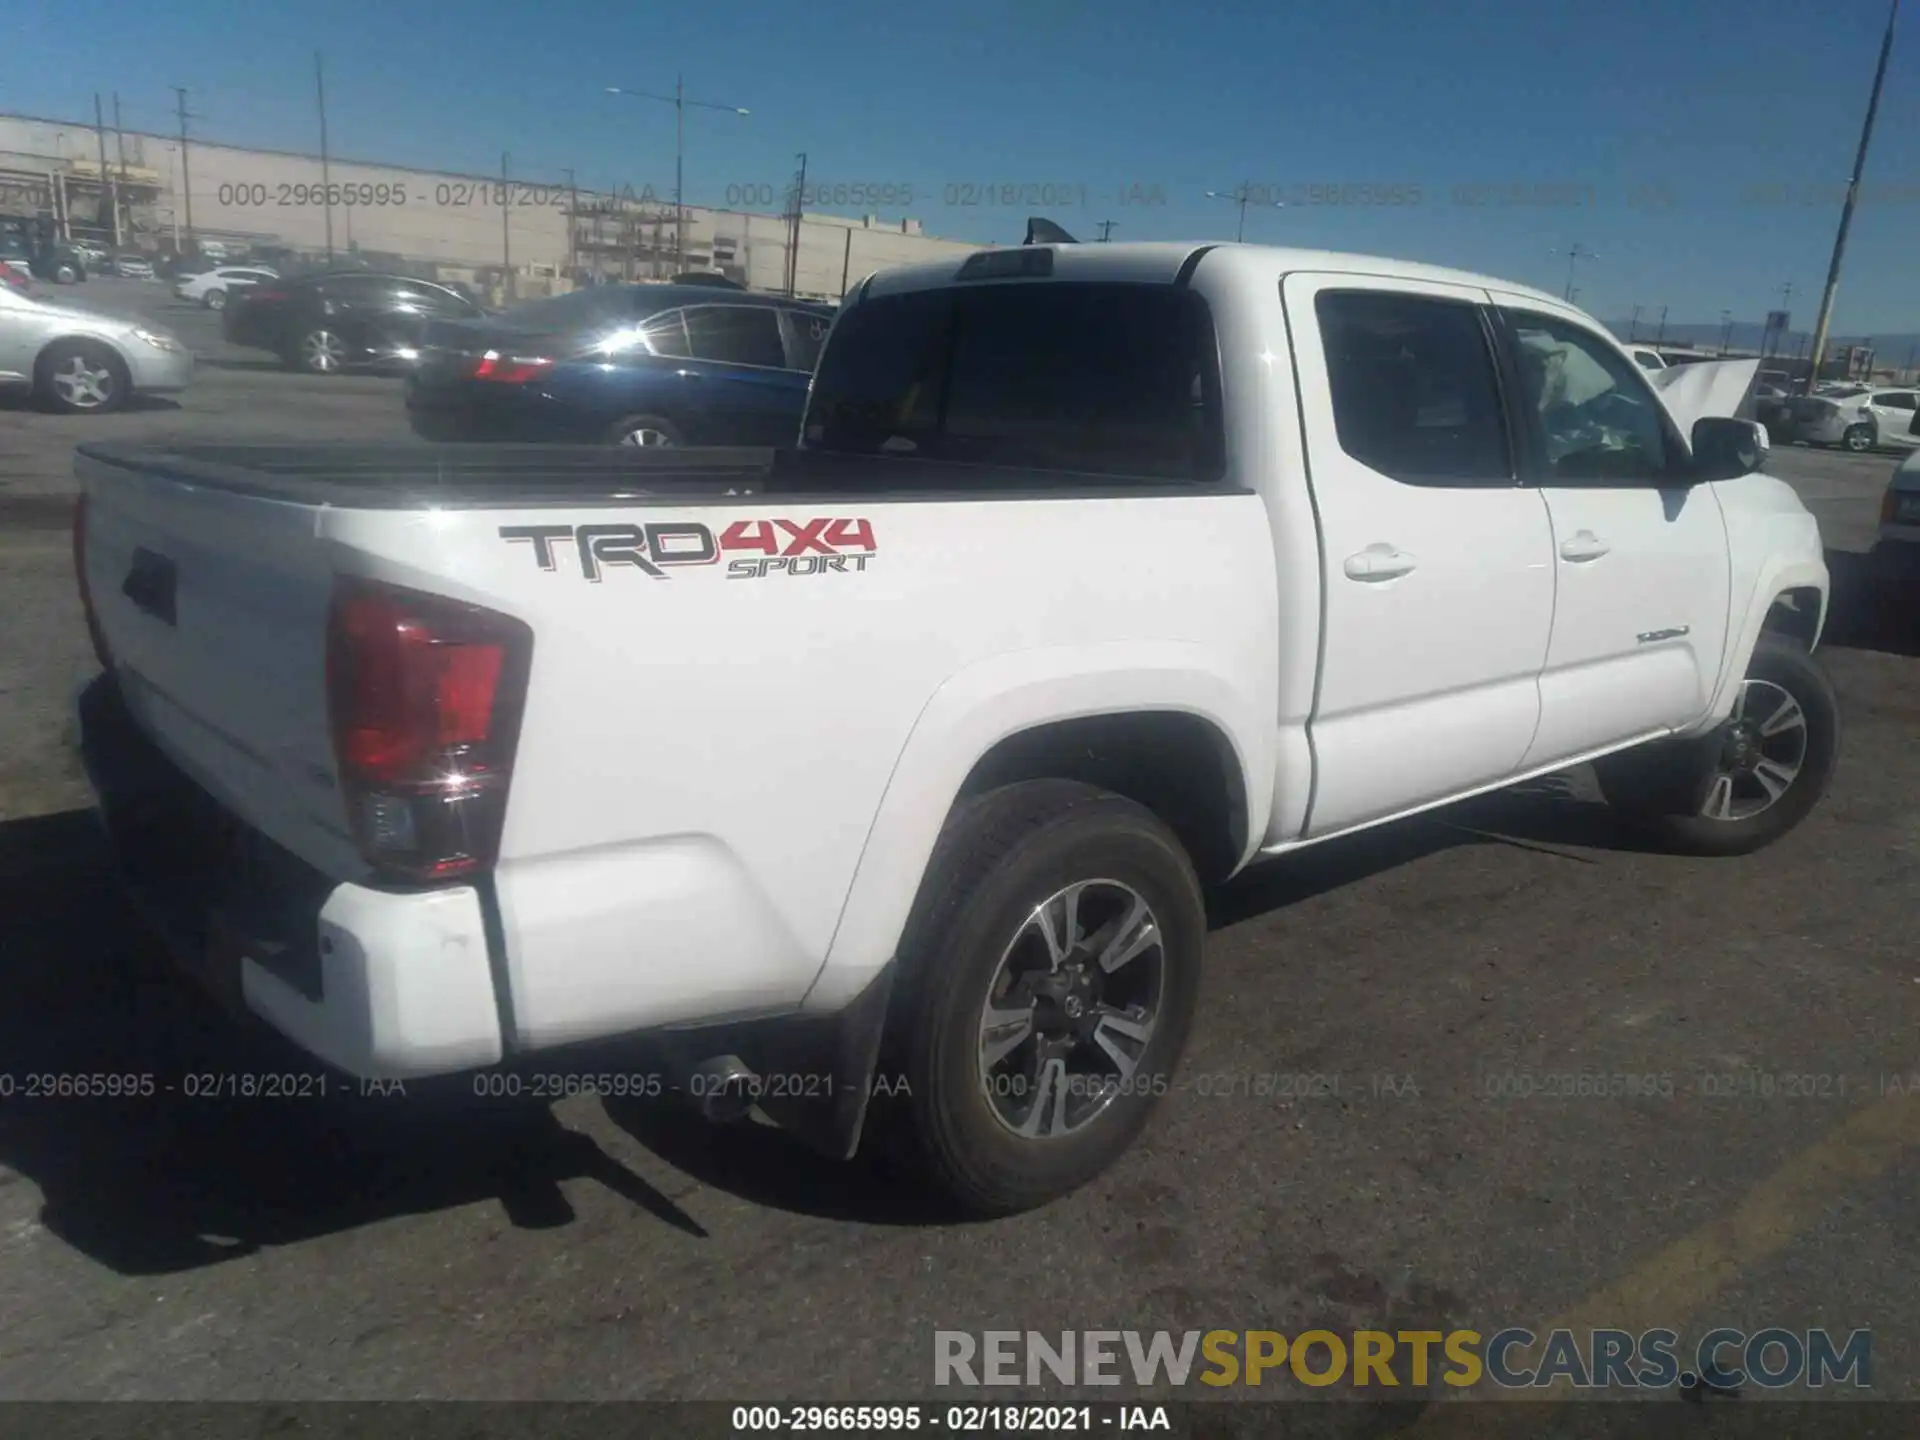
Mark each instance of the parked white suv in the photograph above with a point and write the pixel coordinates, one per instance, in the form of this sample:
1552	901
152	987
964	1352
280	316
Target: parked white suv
1101	572
212	287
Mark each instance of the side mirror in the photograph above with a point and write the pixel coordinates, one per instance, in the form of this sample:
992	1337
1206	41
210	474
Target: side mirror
1725	449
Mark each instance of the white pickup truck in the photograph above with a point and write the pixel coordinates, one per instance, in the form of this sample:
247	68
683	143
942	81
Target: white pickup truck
877	780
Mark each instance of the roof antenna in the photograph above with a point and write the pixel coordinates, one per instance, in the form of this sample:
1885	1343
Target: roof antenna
1045	232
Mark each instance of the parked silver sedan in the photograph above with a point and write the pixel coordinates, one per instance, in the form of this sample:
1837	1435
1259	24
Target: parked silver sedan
80	361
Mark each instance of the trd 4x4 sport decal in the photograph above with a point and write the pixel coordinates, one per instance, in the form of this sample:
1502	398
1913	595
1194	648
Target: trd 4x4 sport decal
764	547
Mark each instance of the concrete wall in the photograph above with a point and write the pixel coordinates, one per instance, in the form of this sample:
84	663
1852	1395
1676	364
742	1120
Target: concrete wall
268	197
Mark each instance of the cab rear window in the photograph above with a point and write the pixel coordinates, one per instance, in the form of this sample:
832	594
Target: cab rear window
1100	379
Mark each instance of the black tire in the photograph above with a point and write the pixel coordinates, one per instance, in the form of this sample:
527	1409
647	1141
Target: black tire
999	859
101	360
1858	439
215	299
65	274
670	433
1663	788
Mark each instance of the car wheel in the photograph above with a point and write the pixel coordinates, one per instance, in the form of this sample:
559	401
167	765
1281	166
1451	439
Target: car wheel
319	352
1858	439
1049	975
79	377
1759	774
215	300
644	431
64	274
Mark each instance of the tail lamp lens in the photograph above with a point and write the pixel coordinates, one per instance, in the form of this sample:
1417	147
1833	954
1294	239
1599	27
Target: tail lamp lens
425	696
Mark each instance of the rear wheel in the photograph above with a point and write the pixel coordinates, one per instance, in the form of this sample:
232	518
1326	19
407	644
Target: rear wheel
215	300
319	352
65	274
1858	439
82	377
1754	778
1049	977
644	431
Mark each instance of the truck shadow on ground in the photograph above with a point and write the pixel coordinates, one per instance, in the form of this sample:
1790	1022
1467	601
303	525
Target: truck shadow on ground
174	1180
1872	603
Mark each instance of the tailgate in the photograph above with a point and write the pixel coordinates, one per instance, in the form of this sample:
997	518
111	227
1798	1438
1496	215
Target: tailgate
212	605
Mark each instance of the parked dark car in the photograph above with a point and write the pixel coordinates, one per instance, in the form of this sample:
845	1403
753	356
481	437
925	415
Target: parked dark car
623	365
341	319
26	247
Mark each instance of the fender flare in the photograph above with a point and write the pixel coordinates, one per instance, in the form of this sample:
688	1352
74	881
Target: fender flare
974	710
1749	620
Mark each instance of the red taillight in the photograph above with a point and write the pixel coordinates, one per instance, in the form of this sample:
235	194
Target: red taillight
424	695
251	294
94	632
510	369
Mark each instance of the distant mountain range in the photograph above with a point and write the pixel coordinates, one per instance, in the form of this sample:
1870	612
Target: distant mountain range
1888	349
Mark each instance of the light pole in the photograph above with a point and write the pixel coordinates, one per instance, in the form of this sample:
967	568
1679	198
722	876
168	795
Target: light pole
1846	209
1633	326
1726	330
680	103
1574	256
1242	195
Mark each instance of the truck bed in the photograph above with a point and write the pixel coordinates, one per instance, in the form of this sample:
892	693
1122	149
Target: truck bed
411	476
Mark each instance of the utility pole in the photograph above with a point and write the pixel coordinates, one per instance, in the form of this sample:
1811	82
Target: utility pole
120	142
1726	330
679	102
573	209
1633	326
1660	339
846	263
186	175
506	236
1853	195
109	191
1106	229
793	228
1574	256
326	172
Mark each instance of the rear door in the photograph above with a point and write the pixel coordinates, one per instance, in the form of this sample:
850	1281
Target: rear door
739	384
1436	559
1894	416
1640	561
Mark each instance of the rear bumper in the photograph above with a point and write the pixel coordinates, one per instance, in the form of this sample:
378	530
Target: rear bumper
402	984
507	416
378	984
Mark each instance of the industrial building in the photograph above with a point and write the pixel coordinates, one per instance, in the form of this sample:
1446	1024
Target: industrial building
508	236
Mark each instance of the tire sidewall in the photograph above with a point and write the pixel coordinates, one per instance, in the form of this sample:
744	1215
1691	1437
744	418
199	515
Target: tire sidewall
1106	839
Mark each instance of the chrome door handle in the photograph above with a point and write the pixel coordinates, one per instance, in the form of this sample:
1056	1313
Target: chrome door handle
1584	545
1378	562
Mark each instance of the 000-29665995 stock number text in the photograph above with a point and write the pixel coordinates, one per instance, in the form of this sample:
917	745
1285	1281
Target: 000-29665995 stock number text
446	195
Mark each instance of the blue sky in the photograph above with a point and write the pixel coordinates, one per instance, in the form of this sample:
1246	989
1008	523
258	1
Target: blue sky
1705	143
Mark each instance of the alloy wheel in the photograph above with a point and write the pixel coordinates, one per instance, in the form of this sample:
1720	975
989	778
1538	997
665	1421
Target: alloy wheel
83	384
1071	1009
323	352
646	435
1762	748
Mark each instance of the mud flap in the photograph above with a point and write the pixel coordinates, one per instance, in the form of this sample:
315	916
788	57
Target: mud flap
815	1072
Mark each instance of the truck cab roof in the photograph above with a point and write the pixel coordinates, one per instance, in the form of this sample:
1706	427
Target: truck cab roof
1150	262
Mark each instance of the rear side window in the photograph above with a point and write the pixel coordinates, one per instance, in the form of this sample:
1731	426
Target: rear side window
1102	379
736	335
1414	389
805	333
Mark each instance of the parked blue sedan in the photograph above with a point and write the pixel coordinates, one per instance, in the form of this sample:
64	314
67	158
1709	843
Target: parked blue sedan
622	365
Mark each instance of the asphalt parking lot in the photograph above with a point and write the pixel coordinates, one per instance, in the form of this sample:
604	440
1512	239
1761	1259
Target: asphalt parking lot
363	1247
